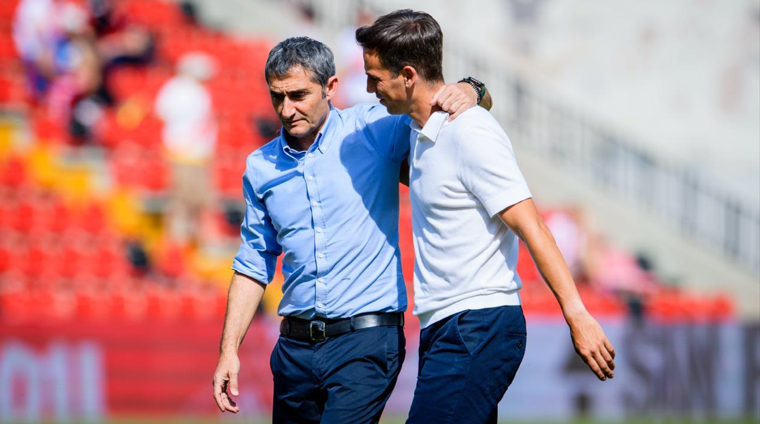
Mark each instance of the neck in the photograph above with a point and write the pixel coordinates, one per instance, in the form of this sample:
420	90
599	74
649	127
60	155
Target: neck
301	144
420	109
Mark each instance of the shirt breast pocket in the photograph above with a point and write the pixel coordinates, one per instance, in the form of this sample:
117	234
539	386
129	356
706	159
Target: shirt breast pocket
287	205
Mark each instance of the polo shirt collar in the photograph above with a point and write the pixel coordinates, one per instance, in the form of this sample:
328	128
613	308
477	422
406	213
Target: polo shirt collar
322	142
433	126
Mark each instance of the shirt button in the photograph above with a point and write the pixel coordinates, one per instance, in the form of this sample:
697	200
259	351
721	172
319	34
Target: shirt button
309	155
321	280
319	230
320	305
321	255
315	203
309	178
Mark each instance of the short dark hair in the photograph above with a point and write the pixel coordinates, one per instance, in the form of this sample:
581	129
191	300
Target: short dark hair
406	38
310	55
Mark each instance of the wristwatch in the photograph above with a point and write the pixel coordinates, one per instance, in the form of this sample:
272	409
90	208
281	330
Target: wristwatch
479	87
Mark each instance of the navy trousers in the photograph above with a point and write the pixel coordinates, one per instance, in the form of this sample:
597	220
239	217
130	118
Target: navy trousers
345	379
467	362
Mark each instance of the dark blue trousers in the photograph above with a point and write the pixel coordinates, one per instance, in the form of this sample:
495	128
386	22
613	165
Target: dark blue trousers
345	379
467	362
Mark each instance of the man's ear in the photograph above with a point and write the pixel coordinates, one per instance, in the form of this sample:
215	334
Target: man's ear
331	87
410	76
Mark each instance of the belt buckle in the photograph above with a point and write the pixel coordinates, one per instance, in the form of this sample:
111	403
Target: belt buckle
316	331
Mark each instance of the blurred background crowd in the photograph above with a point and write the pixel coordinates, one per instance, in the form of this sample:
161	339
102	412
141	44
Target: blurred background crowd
125	124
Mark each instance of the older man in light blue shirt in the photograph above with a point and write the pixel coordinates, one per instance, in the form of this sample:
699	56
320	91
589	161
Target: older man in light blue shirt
325	195
333	210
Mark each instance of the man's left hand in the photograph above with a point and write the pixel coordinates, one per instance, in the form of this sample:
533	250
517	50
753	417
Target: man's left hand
592	345
455	98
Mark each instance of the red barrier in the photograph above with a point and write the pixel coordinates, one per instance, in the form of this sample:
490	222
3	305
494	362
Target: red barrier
111	370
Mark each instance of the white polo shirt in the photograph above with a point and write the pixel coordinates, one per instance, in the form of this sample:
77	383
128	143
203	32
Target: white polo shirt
462	174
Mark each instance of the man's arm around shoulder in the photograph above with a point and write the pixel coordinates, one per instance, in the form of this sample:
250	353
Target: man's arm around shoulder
242	301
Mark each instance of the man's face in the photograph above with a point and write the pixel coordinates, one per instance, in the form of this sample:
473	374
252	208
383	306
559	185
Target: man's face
300	103
389	89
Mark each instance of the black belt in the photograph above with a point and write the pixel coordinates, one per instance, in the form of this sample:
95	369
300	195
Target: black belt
317	330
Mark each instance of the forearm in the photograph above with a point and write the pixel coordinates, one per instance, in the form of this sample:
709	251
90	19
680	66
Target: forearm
456	98
242	301
486	102
552	266
588	337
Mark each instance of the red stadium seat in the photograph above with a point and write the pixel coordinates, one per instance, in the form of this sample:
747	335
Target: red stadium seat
6	257
22	219
154	13
172	261
13	92
93	219
55	217
13	172
6	212
49	130
128	304
8	9
92	305
162	304
16	306
7	48
109	261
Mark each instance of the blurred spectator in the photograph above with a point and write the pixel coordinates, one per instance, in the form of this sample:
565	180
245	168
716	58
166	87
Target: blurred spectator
350	62
138	258
615	271
190	12
67	53
73	96
120	41
189	137
34	33
605	268
570	236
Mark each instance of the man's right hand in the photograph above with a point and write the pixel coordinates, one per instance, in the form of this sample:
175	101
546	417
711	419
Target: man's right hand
226	382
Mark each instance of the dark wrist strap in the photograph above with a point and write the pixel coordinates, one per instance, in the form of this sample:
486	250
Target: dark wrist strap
478	86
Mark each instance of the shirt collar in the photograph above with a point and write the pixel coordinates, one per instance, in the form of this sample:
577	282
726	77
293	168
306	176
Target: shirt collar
322	142
433	126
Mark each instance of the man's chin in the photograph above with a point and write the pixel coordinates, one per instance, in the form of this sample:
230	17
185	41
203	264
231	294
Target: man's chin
392	109
294	130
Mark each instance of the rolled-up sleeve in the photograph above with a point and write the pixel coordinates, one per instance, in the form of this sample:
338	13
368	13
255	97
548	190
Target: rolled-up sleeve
257	256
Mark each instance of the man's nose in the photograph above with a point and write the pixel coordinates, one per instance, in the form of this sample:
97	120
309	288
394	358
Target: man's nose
288	108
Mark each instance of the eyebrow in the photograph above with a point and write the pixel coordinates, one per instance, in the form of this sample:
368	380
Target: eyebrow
296	93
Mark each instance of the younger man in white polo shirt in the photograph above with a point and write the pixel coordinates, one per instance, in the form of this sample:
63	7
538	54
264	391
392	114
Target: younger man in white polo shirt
465	186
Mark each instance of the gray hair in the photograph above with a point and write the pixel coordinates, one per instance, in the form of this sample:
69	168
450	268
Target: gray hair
304	52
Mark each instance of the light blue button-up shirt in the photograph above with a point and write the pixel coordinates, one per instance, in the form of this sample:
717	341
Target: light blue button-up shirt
333	212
